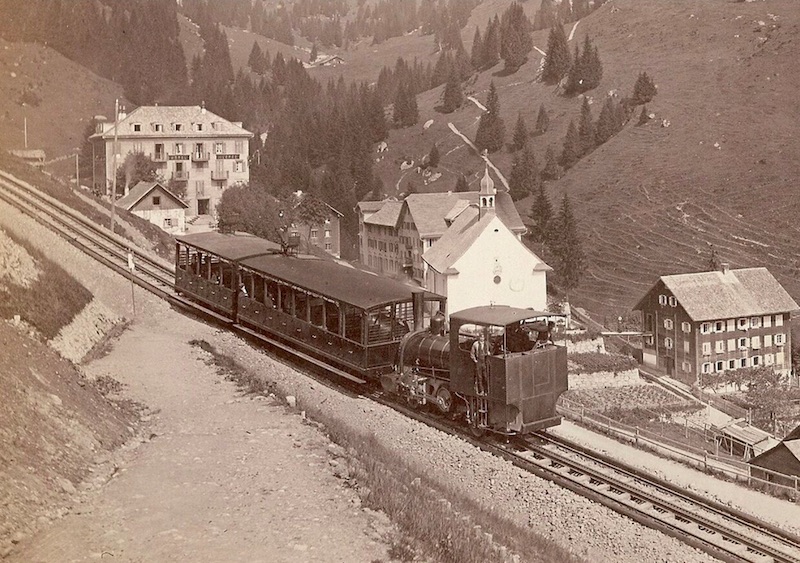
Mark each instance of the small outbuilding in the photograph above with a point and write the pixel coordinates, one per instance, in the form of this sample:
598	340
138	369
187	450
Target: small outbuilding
781	464
155	203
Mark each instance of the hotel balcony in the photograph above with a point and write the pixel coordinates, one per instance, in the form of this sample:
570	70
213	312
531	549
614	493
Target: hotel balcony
219	175
181	176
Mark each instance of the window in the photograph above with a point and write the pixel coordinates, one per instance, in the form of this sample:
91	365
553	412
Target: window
200	188
648	340
199	126
673	302
328	246
742	324
219	148
731	325
178	148
719	366
778	320
167	222
767	321
156	200
719	326
238	166
705	328
159	151
755	342
687	367
743	344
755	322
313	233
731	344
328	233
662	299
668	343
779	358
706	348
780	339
706	367
137	127
687	327
686	348
648	323
158	127
668	324
743	363
769	359
178	126
767	340
239	145
756	361
719	347
731	364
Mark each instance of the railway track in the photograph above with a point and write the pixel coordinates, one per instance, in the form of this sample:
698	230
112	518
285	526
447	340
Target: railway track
719	530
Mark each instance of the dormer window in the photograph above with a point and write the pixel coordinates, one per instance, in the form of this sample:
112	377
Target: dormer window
137	127
199	126
178	126
158	127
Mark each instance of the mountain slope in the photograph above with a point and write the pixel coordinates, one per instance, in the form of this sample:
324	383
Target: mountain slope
654	199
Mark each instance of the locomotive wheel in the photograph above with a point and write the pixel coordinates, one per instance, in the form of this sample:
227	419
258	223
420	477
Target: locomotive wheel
444	400
477	432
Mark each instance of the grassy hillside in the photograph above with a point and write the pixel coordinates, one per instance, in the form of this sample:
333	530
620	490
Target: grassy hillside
654	199
62	97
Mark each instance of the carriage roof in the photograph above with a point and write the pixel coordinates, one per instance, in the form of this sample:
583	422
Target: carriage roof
497	315
322	277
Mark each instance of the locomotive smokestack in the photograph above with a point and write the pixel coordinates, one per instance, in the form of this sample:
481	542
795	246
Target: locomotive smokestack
419	308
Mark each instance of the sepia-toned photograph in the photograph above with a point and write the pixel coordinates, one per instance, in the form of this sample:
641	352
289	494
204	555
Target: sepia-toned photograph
399	281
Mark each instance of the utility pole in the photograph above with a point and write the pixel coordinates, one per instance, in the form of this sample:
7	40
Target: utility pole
77	171
114	163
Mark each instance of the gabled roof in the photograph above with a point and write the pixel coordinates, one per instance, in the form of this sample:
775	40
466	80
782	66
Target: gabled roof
388	215
370	206
735	293
187	116
462	234
429	211
140	191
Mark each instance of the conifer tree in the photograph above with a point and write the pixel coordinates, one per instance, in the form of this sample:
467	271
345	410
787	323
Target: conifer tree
314	53
516	40
434	156
542	121
461	184
606	123
551	170
524	176
491	43
586	130
256	59
405	107
477	53
644	90
491	129
558	61
542	215
571	151
567	248
520	137
545	16
453	95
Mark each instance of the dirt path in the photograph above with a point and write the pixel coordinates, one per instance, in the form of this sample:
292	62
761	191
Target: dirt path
220	477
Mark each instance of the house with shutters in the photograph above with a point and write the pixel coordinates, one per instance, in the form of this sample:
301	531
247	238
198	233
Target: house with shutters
154	203
190	145
709	322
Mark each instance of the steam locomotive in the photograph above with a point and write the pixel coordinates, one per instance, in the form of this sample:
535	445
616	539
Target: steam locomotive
369	328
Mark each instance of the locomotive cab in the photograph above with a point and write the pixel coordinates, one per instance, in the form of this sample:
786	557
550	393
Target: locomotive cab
511	382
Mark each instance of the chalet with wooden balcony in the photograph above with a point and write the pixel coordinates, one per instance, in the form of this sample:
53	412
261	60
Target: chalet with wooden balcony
191	145
709	322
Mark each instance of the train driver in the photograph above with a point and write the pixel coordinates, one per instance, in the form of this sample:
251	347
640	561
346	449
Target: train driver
478	354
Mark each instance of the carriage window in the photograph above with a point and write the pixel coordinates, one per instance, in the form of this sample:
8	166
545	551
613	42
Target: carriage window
352	324
301	303
317	311
332	318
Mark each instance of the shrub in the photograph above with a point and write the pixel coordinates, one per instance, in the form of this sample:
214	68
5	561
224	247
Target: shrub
644	90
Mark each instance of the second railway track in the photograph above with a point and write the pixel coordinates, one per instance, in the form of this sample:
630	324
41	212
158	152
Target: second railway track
719	530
